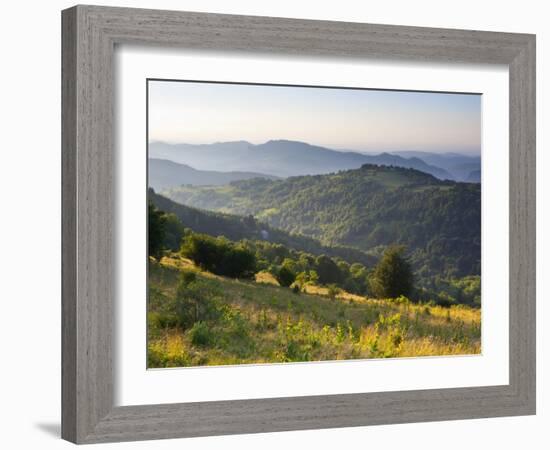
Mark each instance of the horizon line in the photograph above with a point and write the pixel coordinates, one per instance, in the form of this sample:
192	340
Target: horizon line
464	152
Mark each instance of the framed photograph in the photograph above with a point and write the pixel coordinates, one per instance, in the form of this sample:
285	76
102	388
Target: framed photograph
278	224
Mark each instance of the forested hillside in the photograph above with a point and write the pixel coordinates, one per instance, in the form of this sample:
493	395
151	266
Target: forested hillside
368	208
237	228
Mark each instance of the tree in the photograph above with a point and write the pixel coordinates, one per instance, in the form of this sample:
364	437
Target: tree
204	250
304	278
174	231
392	275
156	231
327	270
237	262
219	255
313	277
285	276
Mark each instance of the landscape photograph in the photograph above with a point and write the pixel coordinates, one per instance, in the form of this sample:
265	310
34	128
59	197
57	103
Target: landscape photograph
298	223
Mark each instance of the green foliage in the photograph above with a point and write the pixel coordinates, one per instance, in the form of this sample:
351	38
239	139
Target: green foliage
333	291
173	232
244	258
392	276
187	277
285	276
195	301
368	208
156	231
306	277
240	321
450	291
328	270
239	228
219	255
201	334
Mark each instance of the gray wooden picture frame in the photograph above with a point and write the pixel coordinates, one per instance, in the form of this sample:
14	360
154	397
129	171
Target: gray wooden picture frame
90	34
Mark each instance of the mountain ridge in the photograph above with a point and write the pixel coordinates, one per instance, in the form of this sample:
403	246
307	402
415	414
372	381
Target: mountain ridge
280	158
458	165
164	173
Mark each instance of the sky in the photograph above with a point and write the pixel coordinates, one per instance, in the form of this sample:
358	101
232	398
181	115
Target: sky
346	119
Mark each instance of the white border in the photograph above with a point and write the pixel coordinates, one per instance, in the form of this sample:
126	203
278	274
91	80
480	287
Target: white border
135	385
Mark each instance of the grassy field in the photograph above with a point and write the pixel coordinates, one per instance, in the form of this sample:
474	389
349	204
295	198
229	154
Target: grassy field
197	318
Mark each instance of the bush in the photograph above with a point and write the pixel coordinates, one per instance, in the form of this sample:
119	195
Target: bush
304	278
219	256
237	262
195	301
285	276
333	291
201	335
328	270
401	300
187	277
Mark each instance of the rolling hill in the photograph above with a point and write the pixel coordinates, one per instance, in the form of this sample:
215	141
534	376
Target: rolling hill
164	174
366	208
236	228
281	158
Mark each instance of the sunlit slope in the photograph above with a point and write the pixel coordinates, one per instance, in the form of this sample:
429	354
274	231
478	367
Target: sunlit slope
211	320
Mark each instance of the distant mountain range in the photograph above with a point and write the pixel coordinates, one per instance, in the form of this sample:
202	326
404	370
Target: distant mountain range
164	174
474	177
458	165
282	158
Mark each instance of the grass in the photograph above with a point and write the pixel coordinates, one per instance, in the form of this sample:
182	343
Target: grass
220	321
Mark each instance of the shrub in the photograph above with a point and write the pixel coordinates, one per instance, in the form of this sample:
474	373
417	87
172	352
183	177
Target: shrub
306	277
187	277
201	335
219	256
328	270
204	250
401	300
237	262
333	291
285	276
195	301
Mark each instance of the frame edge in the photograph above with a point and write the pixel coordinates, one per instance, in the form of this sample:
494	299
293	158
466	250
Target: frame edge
88	415
69	36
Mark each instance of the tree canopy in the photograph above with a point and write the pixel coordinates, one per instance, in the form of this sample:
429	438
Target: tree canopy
392	276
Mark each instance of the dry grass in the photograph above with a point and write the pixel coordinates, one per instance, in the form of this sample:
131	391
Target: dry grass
260	322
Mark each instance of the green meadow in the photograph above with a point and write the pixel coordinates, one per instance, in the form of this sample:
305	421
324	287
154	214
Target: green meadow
197	318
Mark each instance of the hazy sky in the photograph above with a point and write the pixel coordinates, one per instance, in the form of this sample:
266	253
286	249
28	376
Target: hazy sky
369	120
